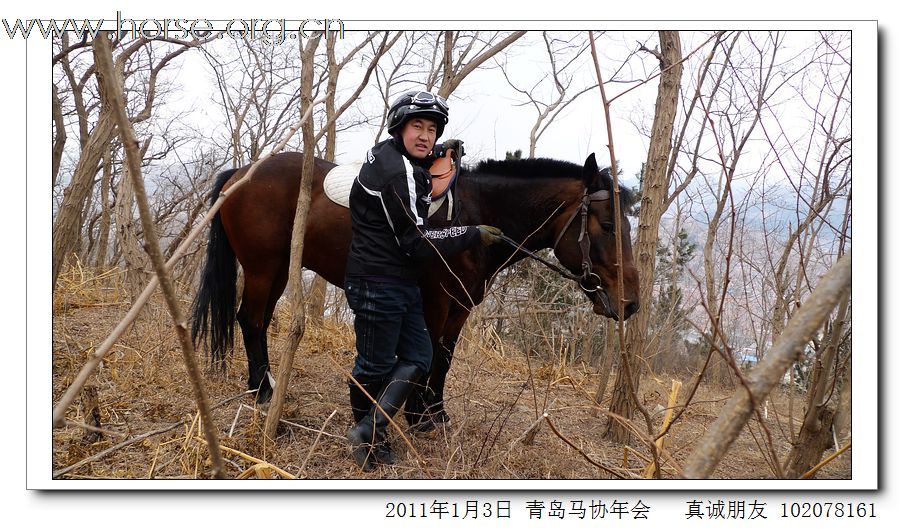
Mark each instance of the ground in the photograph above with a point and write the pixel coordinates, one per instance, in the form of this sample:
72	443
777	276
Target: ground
492	396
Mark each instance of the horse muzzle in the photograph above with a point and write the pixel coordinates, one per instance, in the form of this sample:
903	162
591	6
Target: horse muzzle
602	305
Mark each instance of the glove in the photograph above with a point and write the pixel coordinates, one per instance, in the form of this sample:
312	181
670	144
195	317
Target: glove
456	145
489	235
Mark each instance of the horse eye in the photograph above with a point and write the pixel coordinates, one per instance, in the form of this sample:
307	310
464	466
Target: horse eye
608	227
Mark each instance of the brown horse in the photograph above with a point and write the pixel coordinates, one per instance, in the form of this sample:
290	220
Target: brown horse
539	203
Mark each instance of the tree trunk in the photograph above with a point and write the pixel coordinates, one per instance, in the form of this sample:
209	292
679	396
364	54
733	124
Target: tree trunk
843	416
807	449
317	296
607	359
136	275
815	434
654	192
68	224
59	138
100	259
297	326
111	87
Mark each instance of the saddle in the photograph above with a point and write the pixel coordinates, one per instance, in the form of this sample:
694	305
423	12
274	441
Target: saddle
443	172
338	182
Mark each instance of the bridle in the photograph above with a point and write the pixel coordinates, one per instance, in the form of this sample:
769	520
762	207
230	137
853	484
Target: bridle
587	274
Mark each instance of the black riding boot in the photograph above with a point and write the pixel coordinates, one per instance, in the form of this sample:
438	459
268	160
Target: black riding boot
360	401
368	436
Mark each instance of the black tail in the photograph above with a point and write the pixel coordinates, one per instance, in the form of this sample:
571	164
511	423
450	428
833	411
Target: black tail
213	313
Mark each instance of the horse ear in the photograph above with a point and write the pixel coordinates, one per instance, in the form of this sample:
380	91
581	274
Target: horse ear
591	173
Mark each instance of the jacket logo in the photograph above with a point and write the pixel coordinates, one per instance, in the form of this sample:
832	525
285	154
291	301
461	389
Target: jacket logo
370	156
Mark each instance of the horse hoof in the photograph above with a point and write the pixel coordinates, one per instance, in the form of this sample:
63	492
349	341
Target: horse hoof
263	398
441	417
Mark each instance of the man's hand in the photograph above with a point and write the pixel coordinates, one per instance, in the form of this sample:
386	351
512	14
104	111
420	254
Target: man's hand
489	235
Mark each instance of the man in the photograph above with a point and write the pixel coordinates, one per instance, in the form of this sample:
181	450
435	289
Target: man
389	202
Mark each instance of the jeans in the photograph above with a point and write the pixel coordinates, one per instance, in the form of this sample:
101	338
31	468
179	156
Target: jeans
389	325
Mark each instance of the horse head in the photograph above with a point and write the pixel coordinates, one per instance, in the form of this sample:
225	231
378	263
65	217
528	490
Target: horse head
587	239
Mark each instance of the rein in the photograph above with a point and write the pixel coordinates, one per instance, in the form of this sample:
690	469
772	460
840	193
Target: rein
587	274
555	267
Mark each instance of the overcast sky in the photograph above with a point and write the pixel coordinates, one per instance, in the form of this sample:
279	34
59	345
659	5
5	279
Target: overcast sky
486	112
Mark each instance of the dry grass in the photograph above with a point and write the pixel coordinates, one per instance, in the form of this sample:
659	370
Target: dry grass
492	397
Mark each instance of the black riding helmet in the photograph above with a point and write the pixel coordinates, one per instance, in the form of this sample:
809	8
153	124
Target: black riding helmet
418	103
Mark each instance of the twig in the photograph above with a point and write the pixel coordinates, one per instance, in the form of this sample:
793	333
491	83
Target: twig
619	260
531	431
316	440
293	424
126	443
92	428
98	456
296	246
580	451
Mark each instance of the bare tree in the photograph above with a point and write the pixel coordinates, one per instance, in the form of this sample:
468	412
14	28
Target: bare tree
68	222
472	49
564	54
110	82
297	326
654	192
258	92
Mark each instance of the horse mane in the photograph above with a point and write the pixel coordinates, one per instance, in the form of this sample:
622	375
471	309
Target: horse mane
548	168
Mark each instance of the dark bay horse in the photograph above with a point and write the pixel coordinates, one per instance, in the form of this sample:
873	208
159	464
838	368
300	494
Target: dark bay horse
539	203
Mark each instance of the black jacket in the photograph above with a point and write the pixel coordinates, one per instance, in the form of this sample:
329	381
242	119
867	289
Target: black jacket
389	202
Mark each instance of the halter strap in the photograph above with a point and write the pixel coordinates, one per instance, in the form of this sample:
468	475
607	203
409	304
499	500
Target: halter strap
587	273
599	195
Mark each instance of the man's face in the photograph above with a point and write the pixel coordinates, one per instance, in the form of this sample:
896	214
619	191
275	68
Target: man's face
418	136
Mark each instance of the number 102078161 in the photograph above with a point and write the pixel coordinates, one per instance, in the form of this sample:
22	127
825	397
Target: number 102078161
833	510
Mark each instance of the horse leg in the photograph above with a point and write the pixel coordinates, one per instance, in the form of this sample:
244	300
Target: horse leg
442	361
425	407
276	290
252	317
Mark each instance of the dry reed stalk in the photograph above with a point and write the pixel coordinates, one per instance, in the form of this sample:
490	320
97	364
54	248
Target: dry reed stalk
825	461
258	461
154	462
660	440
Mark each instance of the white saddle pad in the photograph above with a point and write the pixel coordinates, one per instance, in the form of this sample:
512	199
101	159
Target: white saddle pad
338	185
338	182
